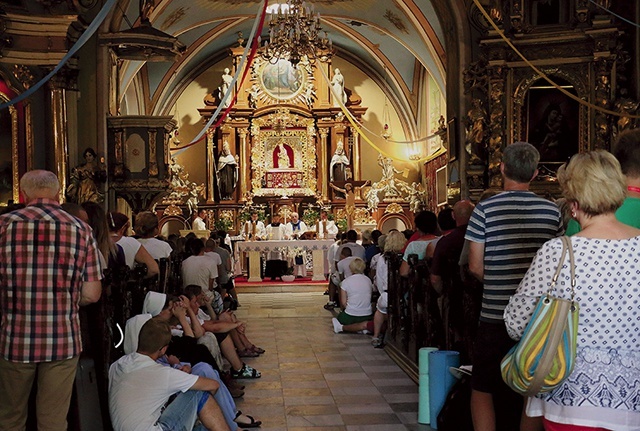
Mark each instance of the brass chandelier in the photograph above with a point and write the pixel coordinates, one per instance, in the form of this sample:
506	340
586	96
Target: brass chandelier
295	34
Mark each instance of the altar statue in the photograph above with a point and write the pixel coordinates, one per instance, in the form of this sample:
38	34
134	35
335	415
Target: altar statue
339	164
388	179
227	172
254	94
224	87
417	197
337	85
284	161
84	180
309	94
350	195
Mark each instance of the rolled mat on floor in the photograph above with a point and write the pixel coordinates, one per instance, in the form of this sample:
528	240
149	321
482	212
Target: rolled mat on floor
440	380
423	388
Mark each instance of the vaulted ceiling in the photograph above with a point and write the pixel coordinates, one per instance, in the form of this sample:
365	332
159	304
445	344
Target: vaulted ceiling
391	40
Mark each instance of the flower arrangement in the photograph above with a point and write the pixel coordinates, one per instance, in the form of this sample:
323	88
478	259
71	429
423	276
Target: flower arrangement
223	224
342	224
310	216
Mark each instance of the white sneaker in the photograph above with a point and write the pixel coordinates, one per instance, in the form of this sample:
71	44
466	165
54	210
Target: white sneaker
337	327
365	332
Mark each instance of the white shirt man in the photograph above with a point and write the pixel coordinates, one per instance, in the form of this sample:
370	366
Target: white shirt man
253	229
200	270
198	222
326	228
276	231
295	228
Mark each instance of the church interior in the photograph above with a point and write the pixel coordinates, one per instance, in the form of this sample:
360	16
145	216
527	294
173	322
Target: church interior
369	110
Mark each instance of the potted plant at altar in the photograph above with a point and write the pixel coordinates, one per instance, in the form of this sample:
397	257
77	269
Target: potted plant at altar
224	224
288	277
342	224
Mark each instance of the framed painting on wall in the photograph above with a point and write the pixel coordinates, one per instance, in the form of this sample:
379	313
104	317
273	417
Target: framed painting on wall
552	123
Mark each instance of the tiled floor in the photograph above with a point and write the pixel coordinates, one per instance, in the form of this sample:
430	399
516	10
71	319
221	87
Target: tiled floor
313	379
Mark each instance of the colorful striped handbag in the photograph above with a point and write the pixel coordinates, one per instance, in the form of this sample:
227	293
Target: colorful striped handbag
545	355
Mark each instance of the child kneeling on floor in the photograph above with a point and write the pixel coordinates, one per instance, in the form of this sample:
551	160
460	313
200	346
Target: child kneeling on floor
355	301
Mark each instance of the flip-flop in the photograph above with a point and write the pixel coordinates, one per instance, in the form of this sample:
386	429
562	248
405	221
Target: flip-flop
253	424
248	353
258	350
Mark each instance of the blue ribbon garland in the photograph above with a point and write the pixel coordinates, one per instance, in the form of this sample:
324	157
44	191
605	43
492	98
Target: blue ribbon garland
79	43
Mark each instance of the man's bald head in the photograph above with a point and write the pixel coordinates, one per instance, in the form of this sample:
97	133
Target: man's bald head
39	184
462	212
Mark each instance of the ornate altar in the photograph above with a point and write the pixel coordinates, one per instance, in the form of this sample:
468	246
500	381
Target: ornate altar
283	155
282	132
582	51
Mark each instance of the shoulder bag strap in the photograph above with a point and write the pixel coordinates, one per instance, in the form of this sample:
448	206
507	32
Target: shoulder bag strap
567	247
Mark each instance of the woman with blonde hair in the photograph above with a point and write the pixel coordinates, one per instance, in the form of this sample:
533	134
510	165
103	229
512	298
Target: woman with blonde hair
603	391
393	243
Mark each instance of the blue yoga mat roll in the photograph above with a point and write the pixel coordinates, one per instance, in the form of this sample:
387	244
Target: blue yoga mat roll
423	381
440	380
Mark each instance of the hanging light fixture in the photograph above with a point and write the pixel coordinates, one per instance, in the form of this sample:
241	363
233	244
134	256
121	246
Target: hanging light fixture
295	34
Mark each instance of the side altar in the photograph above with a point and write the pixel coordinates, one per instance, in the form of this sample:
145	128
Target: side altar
255	249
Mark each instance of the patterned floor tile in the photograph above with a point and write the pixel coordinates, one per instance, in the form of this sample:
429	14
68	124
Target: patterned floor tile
316	380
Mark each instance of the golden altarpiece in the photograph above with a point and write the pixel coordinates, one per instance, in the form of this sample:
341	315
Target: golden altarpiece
282	132
582	50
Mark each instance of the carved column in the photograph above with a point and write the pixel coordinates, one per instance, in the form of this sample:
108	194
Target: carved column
496	124
57	87
244	164
324	167
323	89
602	99
211	166
153	160
357	173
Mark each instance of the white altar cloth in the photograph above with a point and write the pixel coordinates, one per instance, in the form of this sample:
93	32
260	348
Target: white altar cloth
255	248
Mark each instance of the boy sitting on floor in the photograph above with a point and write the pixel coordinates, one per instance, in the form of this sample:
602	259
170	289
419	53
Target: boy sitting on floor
140	390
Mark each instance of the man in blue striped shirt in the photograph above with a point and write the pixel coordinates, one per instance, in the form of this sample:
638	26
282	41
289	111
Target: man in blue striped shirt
505	232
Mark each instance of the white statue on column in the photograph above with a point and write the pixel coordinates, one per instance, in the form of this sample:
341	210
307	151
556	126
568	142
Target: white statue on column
224	87
337	85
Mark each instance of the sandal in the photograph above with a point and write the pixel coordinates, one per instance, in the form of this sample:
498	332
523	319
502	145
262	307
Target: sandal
258	350
246	372
253	424
247	353
377	343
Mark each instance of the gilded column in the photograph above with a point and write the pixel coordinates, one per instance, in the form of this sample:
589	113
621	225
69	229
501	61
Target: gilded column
57	87
355	155
324	168
211	166
153	161
244	164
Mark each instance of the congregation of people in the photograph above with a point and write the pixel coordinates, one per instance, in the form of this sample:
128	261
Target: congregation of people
181	361
486	264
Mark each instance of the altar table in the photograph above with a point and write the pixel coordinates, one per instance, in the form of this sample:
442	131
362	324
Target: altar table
255	248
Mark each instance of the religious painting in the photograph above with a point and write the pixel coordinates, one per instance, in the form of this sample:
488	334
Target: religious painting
552	122
282	80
